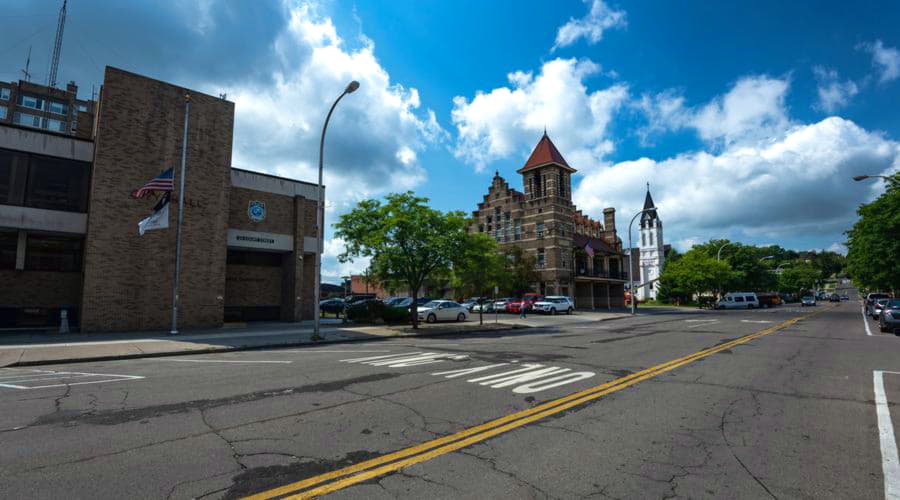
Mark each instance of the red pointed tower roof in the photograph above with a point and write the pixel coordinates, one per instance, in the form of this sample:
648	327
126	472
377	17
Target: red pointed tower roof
545	153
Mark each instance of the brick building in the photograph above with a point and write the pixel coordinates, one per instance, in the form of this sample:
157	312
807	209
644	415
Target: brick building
544	222
68	223
46	108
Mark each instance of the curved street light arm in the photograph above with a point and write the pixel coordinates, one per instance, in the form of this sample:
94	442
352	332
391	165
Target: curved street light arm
630	265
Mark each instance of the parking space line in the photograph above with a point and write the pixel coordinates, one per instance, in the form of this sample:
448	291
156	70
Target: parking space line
866	322
23	379
890	464
55	376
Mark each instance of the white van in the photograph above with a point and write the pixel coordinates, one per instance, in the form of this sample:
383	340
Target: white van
738	300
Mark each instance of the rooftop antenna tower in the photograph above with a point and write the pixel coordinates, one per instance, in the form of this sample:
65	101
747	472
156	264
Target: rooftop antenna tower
57	46
27	65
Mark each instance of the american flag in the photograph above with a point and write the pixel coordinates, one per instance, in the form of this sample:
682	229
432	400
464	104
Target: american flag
165	181
588	249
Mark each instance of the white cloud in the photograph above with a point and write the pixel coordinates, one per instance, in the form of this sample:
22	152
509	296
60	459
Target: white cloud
833	93
332	270
792	185
509	120
886	59
753	109
601	17
374	136
838	248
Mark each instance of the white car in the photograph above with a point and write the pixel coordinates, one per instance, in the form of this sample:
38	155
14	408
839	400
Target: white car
442	310
500	304
554	305
738	300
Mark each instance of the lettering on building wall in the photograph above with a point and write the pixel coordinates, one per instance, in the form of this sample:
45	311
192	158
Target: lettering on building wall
256	239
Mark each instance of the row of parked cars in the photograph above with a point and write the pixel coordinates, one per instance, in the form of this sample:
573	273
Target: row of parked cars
885	310
751	300
531	302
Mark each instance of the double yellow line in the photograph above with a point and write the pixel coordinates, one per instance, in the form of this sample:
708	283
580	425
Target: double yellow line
348	476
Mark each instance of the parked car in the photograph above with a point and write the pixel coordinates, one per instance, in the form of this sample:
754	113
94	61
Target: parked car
500	304
767	300
470	303
872	297
738	300
889	321
527	301
875	309
442	310
333	306
554	305
486	306
844	296
834	298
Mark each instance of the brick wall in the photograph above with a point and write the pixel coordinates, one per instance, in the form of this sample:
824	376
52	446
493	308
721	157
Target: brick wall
39	289
128	278
279	211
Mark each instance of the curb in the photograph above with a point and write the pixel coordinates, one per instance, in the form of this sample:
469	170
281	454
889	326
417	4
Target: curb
116	357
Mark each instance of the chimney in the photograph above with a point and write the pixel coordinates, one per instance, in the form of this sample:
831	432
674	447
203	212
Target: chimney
609	219
72	88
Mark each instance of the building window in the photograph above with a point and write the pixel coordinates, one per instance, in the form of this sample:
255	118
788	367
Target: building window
27	120
651	238
53	253
57	184
4	93
2	112
540	258
13	173
489	220
480	228
82	108
518	229
55	125
643	239
58	108
27	101
564	257
9	244
540	230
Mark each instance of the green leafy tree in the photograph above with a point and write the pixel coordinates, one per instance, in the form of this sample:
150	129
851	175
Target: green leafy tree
479	267
873	244
408	241
694	273
797	278
520	272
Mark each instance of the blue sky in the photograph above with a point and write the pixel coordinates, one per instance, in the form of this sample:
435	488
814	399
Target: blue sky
747	119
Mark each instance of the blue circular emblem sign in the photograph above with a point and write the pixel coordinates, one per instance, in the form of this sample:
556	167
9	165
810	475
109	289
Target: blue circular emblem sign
256	211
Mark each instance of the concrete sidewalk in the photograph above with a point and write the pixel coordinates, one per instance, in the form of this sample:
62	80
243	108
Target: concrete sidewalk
24	349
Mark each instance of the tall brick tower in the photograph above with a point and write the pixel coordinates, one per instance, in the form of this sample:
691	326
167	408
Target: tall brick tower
549	215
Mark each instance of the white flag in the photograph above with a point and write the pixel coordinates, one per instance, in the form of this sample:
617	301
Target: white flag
159	219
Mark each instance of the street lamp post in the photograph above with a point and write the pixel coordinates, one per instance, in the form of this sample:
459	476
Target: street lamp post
320	213
630	264
887	179
719	253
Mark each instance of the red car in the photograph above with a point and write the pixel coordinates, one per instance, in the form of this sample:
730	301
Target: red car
526	301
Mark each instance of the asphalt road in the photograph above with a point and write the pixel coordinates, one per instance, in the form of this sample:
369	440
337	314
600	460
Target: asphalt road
789	413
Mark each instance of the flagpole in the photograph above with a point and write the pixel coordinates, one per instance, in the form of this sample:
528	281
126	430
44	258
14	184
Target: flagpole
184	147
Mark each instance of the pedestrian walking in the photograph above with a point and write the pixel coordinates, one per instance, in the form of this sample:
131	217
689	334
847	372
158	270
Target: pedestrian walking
522	310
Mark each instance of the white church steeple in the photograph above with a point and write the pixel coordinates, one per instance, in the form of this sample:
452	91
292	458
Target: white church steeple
652	251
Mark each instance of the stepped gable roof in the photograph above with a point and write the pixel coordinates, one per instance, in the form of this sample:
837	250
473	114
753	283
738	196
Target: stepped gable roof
545	153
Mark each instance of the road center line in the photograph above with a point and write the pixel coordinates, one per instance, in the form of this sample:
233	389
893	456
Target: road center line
384	464
890	464
225	361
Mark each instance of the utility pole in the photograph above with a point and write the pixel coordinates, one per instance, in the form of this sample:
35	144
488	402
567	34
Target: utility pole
57	46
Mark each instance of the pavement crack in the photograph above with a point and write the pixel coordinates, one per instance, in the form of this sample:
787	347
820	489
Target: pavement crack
235	454
729	411
492	463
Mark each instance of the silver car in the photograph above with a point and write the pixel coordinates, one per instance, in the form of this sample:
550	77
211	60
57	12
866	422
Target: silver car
875	308
889	320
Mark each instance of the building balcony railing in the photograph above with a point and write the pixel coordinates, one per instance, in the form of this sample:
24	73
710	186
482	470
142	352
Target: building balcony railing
602	274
